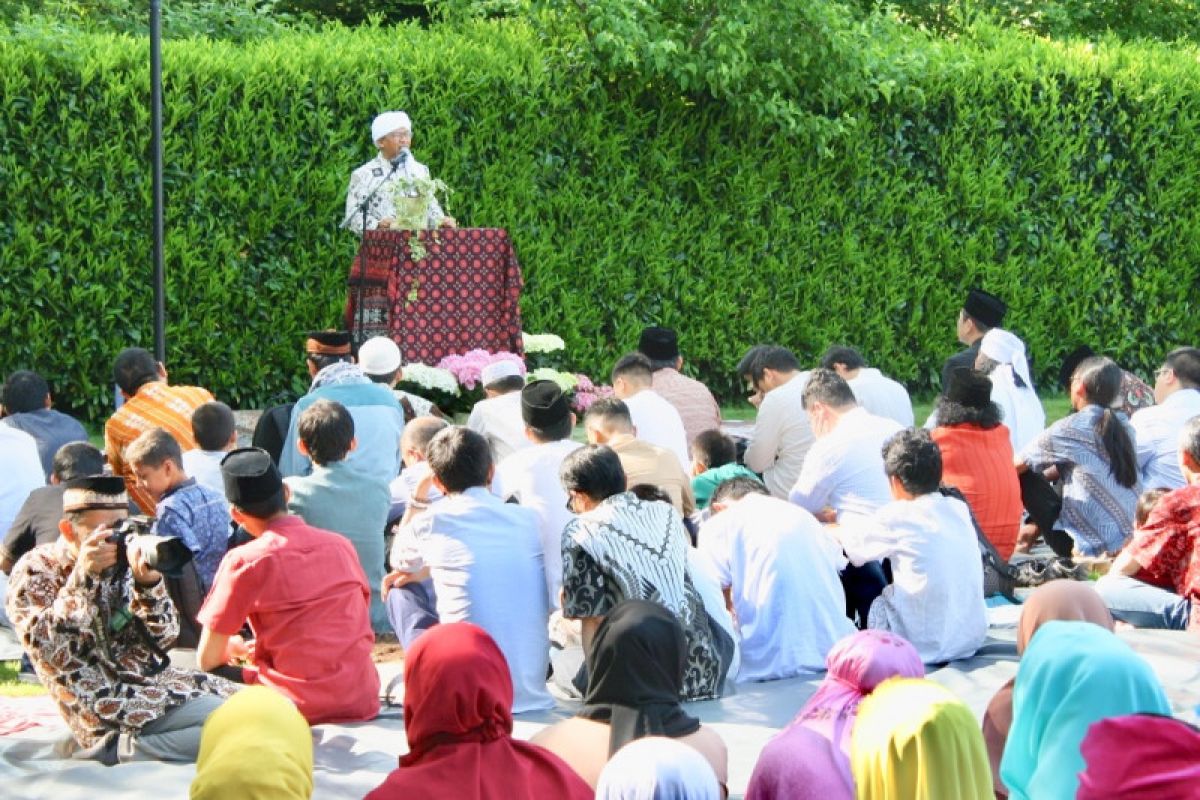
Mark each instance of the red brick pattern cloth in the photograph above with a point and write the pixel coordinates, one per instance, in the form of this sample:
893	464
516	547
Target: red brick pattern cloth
461	294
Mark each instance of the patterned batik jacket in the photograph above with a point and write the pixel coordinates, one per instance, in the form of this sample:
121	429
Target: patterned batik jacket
99	672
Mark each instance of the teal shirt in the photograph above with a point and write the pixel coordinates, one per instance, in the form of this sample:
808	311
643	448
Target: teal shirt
704	484
337	497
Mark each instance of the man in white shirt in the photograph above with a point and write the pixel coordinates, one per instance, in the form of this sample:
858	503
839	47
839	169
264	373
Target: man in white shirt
936	596
498	416
779	570
873	390
843	473
473	558
1177	395
656	420
530	476
782	436
20	473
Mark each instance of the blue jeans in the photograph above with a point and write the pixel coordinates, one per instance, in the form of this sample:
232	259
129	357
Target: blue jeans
1142	605
412	610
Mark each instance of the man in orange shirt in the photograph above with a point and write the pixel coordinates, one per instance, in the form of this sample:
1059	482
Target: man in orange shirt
149	403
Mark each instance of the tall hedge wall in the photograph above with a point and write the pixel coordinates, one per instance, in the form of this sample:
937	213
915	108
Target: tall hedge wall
1065	178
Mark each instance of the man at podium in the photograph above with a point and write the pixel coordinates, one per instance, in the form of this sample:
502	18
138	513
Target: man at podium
372	183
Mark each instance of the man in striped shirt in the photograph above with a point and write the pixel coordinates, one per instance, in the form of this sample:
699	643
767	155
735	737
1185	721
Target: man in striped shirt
149	403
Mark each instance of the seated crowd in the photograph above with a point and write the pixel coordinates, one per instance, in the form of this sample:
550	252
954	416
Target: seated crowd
648	560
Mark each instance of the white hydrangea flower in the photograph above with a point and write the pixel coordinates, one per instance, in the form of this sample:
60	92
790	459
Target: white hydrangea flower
442	380
542	342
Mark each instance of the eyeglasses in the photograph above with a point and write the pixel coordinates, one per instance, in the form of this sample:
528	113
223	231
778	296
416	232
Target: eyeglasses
1158	373
571	501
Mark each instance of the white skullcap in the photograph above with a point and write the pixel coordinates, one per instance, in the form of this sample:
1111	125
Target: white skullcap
379	355
498	371
387	122
1005	348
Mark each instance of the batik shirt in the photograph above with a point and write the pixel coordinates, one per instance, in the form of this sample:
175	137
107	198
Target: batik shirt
630	549
100	679
378	173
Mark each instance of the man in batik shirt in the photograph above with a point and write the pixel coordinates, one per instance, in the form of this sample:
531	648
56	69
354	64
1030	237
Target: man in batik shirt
96	633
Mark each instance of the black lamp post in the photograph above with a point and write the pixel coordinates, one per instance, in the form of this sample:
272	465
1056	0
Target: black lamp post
156	157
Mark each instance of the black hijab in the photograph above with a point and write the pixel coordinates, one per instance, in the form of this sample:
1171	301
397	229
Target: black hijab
635	674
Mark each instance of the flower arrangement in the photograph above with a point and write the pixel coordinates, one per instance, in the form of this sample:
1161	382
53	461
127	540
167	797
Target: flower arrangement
455	383
412	198
468	367
587	393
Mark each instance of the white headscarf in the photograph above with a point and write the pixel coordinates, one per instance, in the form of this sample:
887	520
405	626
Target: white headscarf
658	768
1005	348
387	122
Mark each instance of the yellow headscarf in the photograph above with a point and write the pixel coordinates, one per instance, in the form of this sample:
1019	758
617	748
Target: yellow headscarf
914	740
256	746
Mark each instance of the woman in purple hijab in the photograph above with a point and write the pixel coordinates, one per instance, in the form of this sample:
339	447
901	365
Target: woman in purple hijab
810	759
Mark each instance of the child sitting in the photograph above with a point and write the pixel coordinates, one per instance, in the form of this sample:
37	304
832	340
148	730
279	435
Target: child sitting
714	460
216	434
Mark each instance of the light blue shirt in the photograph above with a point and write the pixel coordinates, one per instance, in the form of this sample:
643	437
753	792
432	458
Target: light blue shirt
1158	430
485	558
338	498
378	424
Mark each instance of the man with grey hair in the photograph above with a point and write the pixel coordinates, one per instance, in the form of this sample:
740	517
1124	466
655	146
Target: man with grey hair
1155	581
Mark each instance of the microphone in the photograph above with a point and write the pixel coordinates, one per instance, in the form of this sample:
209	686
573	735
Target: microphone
399	160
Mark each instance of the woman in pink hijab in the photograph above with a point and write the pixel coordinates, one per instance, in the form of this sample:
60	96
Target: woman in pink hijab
1140	757
810	759
1067	601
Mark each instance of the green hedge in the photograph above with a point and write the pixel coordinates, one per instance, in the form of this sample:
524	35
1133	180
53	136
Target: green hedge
1063	177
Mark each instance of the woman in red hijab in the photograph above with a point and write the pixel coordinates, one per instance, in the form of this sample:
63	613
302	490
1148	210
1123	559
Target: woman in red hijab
457	696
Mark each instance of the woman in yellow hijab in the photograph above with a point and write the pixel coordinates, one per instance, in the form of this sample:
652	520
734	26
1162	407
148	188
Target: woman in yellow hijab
915	740
256	746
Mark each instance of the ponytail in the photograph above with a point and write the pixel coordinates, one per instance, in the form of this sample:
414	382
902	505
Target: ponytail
1122	457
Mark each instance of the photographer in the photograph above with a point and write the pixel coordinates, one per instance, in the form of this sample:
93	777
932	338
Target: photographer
96	631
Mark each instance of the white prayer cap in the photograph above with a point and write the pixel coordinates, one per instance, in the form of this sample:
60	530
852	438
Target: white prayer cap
657	767
498	371
387	122
379	355
1005	348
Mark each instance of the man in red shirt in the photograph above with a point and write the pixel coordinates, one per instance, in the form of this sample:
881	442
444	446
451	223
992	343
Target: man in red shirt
306	598
1155	581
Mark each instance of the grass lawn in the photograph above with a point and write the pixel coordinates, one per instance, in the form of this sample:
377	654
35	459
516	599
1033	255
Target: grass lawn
11	687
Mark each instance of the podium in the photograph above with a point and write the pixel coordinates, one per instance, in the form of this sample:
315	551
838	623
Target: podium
437	292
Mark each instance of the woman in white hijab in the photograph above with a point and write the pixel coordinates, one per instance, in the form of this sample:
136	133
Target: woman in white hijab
657	768
1002	358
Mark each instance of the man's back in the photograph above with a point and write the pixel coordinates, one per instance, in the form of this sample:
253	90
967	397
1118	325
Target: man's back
353	504
306	598
844	469
1157	440
782	570
695	403
531	476
50	429
658	423
936	597
485	558
644	462
882	396
155	405
499	420
20	473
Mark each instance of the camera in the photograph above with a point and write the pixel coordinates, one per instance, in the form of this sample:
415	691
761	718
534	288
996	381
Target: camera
167	554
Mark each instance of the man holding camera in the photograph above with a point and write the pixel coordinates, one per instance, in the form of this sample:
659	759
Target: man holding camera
96	622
